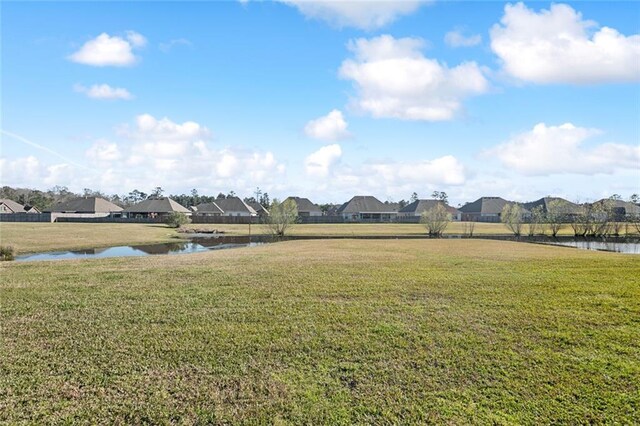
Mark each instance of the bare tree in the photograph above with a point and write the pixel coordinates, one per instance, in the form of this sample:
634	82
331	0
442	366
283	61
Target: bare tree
436	219
557	212
511	216
581	222
536	221
282	215
601	216
468	228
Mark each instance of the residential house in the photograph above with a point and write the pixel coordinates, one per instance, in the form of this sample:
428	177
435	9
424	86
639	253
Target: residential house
9	206
543	203
365	208
484	209
419	206
234	206
152	208
306	207
86	207
207	209
620	209
260	209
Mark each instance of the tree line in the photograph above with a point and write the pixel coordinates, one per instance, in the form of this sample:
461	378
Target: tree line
45	199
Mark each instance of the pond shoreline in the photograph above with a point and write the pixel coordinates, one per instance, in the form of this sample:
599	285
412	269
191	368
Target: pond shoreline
197	243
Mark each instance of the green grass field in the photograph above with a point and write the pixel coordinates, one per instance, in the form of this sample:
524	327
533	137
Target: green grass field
325	332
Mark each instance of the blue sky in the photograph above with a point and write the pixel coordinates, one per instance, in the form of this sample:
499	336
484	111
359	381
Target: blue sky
325	100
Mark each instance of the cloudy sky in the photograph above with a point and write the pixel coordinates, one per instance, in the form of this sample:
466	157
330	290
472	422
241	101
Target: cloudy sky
323	99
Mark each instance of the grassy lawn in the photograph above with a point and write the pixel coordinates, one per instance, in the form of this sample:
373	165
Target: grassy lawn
31	237
325	332
365	229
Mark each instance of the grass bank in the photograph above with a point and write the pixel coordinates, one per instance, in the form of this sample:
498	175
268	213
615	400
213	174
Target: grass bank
333	331
368	229
32	237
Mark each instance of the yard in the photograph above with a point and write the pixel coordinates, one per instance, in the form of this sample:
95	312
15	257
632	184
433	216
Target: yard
332	331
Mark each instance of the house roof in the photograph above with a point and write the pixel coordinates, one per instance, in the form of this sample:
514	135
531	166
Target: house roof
208	208
234	204
628	207
160	205
85	205
420	206
544	202
12	205
305	205
485	205
366	204
259	208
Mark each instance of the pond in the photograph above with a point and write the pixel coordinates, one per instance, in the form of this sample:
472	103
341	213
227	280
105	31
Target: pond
192	245
627	247
205	242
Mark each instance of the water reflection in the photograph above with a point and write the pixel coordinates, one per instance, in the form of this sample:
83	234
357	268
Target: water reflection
207	242
194	245
614	246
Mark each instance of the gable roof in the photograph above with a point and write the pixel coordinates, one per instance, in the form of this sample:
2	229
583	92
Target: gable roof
305	205
259	208
485	205
12	205
208	208
420	206
160	205
85	205
366	204
544	203
619	205
234	204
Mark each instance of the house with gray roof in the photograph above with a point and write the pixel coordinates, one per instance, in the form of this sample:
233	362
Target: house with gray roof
543	203
158	207
9	206
620	209
207	209
260	209
86	207
235	206
305	207
366	208
419	206
484	209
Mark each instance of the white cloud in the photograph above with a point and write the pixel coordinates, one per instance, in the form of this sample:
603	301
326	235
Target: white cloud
103	151
387	179
395	80
320	162
165	151
558	46
331	127
549	150
150	128
104	91
136	39
364	14
106	50
456	38
168	46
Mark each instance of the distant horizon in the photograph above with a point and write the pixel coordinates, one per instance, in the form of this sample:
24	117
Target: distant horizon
408	200
326	99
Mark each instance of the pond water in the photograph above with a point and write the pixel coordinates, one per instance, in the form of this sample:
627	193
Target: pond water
614	246
192	245
197	243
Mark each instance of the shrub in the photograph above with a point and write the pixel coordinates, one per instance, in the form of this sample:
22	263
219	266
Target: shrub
436	219
177	219
6	253
282	215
